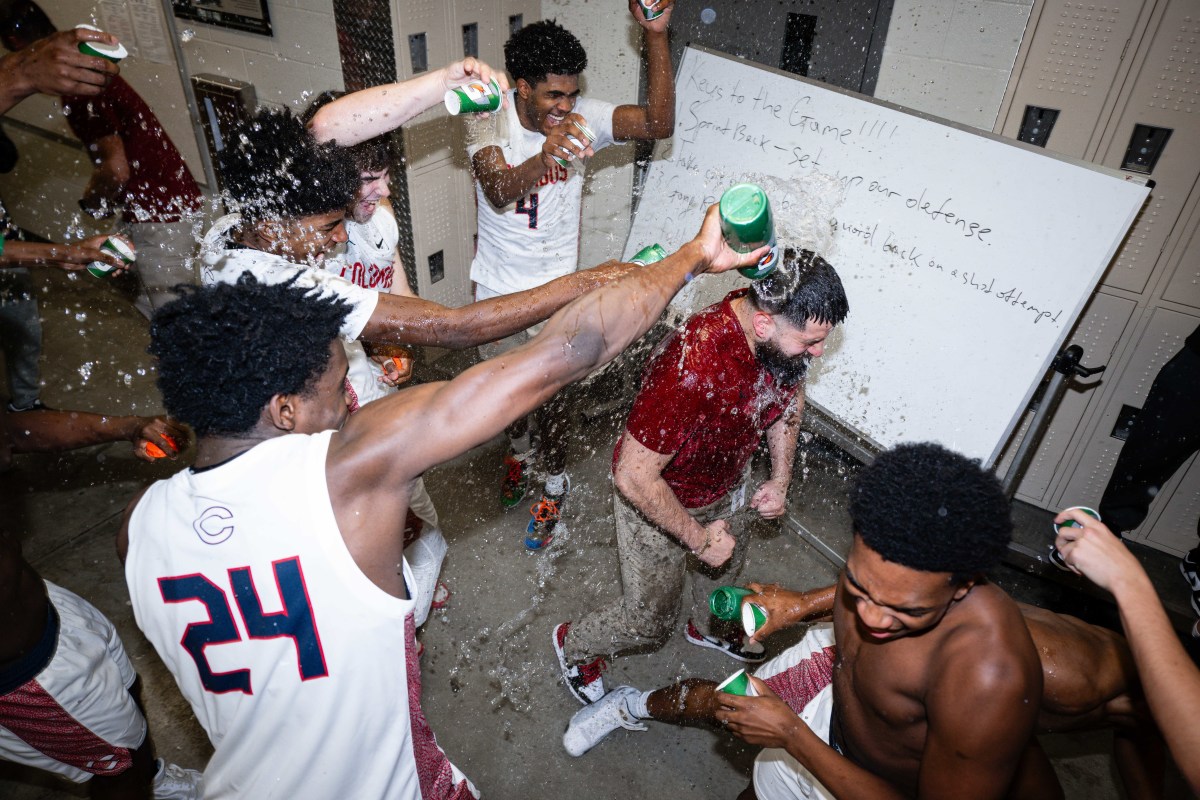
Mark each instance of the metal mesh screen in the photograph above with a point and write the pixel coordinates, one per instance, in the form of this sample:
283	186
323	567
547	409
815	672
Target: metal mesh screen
368	55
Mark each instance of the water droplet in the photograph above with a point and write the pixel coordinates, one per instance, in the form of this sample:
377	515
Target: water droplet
186	35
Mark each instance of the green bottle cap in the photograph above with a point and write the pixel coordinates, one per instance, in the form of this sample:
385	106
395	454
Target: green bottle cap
725	602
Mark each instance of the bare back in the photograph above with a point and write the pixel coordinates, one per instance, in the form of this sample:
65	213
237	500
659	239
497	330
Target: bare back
22	602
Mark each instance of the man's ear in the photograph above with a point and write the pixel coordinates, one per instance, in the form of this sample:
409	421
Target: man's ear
524	89
281	412
963	588
762	325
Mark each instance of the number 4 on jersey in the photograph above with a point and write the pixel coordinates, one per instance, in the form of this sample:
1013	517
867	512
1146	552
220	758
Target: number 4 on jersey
295	622
529	205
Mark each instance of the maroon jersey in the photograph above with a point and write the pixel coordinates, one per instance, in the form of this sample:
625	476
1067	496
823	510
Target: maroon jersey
160	186
705	398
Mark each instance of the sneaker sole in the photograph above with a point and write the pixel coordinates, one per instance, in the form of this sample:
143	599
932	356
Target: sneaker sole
706	643
1193	584
562	667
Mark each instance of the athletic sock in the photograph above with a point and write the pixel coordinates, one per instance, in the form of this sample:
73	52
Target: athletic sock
556	485
520	446
637	706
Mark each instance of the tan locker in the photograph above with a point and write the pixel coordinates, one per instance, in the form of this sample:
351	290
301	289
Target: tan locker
1184	287
435	234
1165	94
491	30
429	19
1171	526
1162	339
528	10
1098	332
431	138
1071	67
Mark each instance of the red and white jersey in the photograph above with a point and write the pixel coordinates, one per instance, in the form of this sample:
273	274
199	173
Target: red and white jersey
301	670
370	252
535	239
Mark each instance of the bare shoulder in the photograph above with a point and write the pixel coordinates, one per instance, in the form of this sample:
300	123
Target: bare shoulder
986	649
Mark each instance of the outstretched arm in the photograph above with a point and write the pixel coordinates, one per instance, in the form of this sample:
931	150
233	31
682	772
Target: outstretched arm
413	320
371	112
391	441
68	257
54	431
1170	680
55	65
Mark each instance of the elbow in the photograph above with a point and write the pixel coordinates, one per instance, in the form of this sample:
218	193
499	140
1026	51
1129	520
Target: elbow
662	128
496	198
625	483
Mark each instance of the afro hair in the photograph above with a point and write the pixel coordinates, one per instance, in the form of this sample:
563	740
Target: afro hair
274	169
928	508
543	48
223	351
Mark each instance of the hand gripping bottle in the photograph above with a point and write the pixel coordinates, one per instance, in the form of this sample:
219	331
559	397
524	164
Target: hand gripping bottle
747	225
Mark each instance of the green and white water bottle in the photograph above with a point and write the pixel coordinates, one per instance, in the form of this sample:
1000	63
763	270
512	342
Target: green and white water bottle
648	255
747	225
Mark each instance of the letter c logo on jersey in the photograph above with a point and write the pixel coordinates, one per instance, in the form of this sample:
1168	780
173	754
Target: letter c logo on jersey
208	526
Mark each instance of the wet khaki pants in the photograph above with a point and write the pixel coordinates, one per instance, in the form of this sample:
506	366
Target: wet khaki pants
654	567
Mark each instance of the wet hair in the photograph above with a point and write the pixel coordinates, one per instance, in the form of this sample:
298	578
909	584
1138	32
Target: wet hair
543	48
224	351
373	155
803	287
928	508
274	169
23	22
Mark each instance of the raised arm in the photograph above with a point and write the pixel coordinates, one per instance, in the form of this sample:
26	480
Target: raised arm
655	119
368	113
55	65
1170	680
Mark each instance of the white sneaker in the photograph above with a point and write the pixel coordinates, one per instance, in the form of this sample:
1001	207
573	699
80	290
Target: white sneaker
173	782
594	722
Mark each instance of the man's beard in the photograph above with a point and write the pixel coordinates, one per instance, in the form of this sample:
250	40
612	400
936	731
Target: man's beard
787	370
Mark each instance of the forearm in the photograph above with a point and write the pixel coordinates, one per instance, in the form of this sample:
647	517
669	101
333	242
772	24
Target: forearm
655	500
372	112
1169	679
660	88
53	431
504	186
782	438
104	186
37	254
840	776
801	606
411	321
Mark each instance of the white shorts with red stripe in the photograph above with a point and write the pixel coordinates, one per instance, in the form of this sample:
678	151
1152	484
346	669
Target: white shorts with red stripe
802	676
75	718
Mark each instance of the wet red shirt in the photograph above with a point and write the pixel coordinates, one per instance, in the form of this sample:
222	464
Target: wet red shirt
160	187
705	398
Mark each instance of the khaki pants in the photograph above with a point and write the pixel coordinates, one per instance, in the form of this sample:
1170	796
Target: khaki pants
165	257
654	567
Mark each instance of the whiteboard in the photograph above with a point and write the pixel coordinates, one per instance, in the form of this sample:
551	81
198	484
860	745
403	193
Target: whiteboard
966	257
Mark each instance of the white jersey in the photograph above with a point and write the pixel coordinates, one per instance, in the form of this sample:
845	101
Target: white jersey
535	239
301	670
221	261
368	259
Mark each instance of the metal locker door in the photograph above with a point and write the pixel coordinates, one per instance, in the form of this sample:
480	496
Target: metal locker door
1072	66
1164	96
